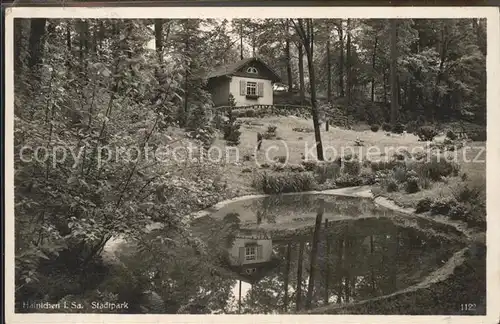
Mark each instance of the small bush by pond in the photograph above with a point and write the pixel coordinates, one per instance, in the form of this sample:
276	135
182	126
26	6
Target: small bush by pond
436	169
423	205
284	182
348	180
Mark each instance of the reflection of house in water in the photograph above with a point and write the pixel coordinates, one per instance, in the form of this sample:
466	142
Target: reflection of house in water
251	256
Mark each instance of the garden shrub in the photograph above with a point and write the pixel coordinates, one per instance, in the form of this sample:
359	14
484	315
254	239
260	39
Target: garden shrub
326	171
284	182
367	177
347	180
442	205
474	194
391	186
250	113
423	205
232	131
427	133
412	185
374	128
310	165
399	174
459	211
352	167
386	127
412	127
436	168
272	129
385	165
451	135
295	168
398	128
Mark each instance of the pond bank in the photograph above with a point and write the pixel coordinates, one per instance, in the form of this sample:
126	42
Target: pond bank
445	276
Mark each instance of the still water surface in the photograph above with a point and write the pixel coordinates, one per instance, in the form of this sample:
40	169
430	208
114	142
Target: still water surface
289	253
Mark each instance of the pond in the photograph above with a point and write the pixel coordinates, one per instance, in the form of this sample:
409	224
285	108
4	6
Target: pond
289	253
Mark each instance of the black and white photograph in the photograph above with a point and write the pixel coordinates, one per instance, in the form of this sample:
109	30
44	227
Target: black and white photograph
183	162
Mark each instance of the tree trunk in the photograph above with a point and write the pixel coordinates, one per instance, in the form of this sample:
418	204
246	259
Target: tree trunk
385	85
37	33
18	45
374	56
186	74
254	45
341	60
298	291
287	275
301	74
394	82
241	40
239	298
312	81
348	64
314	254
159	39
329	69
442	60
288	66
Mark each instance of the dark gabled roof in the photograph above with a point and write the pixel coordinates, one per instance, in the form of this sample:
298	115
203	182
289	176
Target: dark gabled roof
229	69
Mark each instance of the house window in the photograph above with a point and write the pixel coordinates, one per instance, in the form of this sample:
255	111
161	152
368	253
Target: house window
252	70
251	88
250	253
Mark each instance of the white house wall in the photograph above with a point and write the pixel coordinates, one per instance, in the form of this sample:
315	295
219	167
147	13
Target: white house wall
234	252
234	88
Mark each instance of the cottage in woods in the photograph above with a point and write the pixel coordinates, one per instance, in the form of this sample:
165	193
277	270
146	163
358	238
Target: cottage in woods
251	257
250	81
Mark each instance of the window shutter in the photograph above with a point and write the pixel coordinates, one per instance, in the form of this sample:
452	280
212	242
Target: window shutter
243	88
259	252
242	255
260	90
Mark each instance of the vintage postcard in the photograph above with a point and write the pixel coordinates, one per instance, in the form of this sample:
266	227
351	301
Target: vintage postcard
300	164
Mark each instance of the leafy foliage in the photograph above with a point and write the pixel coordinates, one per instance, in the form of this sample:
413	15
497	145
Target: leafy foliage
232	126
284	182
427	133
97	96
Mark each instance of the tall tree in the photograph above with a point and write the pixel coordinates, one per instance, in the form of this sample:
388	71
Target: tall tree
349	63
36	41
302	87
328	67
305	29
394	75
340	30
